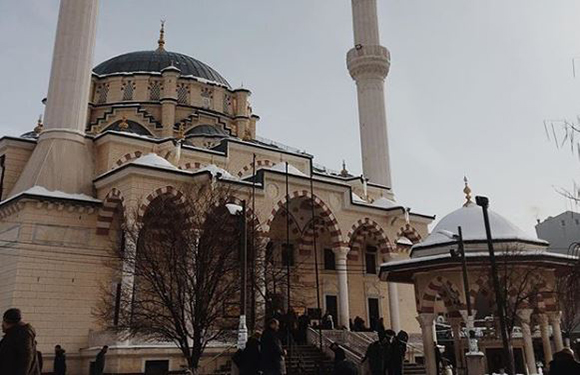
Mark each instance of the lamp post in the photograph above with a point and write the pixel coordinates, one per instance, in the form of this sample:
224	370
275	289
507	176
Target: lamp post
508	353
240	211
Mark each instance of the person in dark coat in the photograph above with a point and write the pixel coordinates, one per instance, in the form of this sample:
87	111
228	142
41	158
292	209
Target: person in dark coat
397	351
303	324
345	368
100	361
250	358
380	326
272	357
59	361
339	354
39	359
564	363
18	354
376	356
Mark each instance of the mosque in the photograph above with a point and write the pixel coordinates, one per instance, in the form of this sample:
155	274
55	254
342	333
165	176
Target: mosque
137	128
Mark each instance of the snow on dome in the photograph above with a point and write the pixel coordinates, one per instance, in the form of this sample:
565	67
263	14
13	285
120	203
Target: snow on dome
281	167
383	202
153	160
470	218
357	199
217	172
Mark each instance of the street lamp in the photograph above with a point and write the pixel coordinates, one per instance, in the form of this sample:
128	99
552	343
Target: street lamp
508	353
240	212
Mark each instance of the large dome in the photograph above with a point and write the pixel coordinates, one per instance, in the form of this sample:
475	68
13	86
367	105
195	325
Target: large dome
155	62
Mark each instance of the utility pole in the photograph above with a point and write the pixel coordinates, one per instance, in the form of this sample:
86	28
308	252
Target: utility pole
508	353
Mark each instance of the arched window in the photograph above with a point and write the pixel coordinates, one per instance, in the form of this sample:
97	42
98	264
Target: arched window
371	260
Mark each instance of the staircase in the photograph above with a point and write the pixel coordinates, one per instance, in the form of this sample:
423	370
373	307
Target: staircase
307	360
413	369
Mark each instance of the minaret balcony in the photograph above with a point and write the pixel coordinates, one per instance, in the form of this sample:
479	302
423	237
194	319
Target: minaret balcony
371	60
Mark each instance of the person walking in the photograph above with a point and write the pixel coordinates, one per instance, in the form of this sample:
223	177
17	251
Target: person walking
272	356
564	363
250	361
397	351
18	354
339	354
376	356
59	366
100	361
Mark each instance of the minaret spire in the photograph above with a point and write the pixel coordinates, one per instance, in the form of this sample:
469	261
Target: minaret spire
368	63
161	41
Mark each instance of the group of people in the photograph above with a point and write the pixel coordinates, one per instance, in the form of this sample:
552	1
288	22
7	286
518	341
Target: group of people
386	355
19	354
564	363
263	352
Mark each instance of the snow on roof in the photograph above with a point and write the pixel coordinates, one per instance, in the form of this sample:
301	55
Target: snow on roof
470	218
357	199
281	167
385	203
404	241
154	160
218	172
42	191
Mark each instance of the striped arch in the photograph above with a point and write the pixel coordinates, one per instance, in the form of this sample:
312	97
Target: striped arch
171	191
483	285
313	227
410	232
327	216
446	290
259	164
364	229
249	212
113	204
190	166
127	158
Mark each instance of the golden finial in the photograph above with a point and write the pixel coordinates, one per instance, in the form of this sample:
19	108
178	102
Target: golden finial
181	131
124	125
467	191
39	125
344	172
161	40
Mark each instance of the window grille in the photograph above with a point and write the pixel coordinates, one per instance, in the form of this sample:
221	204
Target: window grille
102	93
155	90
182	94
128	89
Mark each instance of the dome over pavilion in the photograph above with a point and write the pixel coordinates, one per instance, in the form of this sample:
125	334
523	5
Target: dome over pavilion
470	218
155	62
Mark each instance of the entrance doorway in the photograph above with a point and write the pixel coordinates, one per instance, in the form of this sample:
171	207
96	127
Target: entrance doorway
374	313
331	304
156	367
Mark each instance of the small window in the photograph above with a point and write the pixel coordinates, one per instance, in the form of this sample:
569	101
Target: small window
155	90
128	89
329	260
563	223
182	94
156	367
371	260
287	255
577	221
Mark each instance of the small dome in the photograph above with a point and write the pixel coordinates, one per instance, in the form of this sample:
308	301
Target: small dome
156	62
470	218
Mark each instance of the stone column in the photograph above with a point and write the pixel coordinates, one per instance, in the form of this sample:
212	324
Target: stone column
557	329
545	330
426	322
457	342
394	307
343	311
525	320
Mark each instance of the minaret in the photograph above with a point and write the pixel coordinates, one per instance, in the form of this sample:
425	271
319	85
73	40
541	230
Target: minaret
62	159
368	64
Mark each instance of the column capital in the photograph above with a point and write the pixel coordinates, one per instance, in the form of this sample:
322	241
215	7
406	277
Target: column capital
341	252
426	319
525	315
554	316
543	319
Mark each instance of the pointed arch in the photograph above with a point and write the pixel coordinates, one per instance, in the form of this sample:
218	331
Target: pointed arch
192	166
127	158
447	291
176	195
326	215
113	204
366	228
410	232
259	164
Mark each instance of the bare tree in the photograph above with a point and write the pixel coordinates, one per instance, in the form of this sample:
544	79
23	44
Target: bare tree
568	296
180	272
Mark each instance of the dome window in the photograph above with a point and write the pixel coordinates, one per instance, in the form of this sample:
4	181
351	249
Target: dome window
206	97
183	94
102	93
155	90
128	89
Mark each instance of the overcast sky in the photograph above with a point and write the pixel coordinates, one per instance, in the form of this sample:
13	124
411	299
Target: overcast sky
471	83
